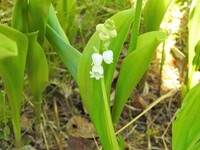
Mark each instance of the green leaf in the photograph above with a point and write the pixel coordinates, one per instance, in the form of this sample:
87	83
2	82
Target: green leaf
31	16
193	38
185	129
92	91
12	69
133	68
154	12
60	43
55	25
123	21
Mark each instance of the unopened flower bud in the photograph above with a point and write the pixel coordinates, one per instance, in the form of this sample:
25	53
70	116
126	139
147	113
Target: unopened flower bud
103	36
109	24
99	27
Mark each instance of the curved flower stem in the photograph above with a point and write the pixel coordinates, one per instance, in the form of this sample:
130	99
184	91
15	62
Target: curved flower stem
108	122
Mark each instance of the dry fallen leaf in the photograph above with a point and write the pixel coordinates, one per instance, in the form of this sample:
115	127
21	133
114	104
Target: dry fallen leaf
80	127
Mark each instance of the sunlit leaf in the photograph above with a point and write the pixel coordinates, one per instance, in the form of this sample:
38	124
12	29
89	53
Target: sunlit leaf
154	12
193	38
186	133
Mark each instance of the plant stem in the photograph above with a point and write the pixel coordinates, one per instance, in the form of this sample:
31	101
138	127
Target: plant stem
161	66
136	26
37	109
108	122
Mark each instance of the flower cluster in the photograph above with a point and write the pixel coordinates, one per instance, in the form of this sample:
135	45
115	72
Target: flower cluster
106	31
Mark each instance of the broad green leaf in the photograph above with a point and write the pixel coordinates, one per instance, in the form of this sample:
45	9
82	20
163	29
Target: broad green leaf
91	90
133	68
12	72
123	21
154	12
31	16
193	38
68	54
185	129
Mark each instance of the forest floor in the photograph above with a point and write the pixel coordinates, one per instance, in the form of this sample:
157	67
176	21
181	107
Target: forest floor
65	123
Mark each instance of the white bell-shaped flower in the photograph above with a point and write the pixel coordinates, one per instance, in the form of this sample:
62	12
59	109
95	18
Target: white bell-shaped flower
108	56
96	59
97	72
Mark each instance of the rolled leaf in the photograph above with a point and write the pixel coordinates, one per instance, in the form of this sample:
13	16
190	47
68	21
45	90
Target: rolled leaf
133	68
37	67
37	71
31	16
